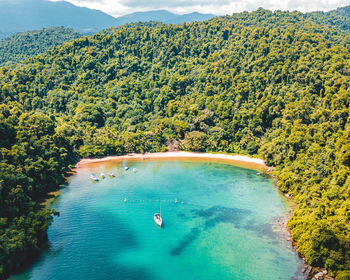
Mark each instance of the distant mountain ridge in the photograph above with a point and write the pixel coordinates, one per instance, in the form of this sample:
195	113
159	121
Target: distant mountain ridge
269	84
163	16
23	15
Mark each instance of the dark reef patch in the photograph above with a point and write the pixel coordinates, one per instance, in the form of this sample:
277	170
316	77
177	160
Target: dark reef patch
262	229
181	215
188	239
217	214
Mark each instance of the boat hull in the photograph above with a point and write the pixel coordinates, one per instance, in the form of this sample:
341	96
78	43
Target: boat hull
158	219
94	178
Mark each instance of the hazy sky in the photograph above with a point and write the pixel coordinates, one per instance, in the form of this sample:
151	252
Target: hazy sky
218	7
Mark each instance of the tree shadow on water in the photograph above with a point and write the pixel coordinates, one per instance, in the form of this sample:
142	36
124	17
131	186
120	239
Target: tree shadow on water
88	247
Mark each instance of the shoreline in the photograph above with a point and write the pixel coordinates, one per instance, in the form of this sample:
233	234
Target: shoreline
236	160
239	160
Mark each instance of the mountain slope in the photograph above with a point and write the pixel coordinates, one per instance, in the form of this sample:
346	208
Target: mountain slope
343	11
338	19
273	84
23	15
163	16
22	45
191	17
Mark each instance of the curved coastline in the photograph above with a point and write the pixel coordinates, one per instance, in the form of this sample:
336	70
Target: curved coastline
239	160
103	165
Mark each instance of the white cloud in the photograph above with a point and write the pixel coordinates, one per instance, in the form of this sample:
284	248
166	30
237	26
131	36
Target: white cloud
218	7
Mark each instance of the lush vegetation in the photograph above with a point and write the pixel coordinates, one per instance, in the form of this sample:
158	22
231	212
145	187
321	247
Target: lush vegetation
338	19
261	83
22	15
18	47
33	159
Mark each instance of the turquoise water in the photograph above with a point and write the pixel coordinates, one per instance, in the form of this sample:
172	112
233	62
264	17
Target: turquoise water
224	225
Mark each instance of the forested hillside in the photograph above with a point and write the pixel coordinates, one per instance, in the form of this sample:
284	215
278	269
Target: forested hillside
163	16
22	45
23	15
260	83
338	19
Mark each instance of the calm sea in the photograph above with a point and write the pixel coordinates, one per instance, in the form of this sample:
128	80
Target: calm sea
220	222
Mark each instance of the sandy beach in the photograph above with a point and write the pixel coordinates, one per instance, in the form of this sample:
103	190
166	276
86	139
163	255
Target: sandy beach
240	160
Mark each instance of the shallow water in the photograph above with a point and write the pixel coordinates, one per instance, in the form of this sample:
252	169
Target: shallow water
224	225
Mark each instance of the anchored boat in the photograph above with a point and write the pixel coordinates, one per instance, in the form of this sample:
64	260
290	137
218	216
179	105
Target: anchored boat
94	178
157	217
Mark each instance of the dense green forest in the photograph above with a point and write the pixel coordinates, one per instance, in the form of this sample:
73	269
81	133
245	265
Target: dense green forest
22	15
262	83
338	19
22	45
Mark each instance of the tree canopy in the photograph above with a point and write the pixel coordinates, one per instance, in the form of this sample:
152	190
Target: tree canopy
274	84
20	46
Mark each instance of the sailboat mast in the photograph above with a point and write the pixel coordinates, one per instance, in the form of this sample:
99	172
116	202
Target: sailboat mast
160	212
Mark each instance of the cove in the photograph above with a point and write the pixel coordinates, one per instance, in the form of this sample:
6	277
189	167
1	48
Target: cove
225	225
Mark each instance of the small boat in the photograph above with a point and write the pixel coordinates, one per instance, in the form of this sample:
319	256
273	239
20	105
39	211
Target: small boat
175	200
94	178
111	174
158	218
102	175
125	200
126	168
134	170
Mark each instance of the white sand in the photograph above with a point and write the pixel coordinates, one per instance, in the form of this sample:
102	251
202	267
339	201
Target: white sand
235	158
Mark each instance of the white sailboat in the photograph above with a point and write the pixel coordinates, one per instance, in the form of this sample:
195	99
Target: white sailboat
94	178
158	217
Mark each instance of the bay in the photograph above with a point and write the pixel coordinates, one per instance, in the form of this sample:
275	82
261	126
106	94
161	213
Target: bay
220	222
